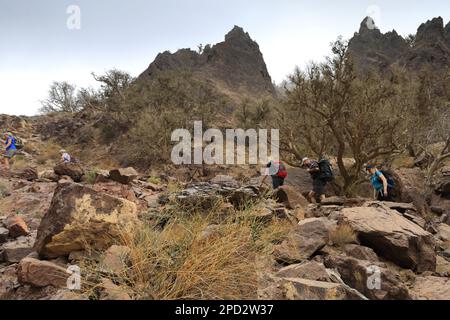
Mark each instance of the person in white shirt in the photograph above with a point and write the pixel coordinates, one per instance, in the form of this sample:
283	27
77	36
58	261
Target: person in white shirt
65	156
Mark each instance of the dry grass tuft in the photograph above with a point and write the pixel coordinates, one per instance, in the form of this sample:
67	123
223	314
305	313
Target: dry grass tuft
342	235
180	262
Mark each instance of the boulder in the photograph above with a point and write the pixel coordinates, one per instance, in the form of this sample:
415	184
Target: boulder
362	276
360	252
443	232
342	201
409	184
41	273
123	175
3	235
304	289
115	259
310	270
392	237
431	288
16	226
29	174
14	251
79	218
309	236
72	170
291	197
49	175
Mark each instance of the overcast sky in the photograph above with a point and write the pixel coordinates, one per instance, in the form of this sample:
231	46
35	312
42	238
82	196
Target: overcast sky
37	46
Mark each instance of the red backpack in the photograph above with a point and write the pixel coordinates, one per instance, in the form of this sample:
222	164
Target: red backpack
282	172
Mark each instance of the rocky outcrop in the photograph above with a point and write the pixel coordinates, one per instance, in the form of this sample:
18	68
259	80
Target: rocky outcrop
72	170
79	217
304	289
372	49
370	278
235	65
393	237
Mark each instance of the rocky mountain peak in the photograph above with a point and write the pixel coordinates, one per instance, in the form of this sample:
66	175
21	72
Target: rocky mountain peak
431	31
368	25
234	65
371	48
237	33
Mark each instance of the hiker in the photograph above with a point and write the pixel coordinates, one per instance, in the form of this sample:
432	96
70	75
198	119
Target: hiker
321	173
10	150
65	156
277	170
381	182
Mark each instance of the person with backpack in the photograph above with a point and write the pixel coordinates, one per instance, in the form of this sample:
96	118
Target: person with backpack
321	173
65	156
278	172
382	183
10	150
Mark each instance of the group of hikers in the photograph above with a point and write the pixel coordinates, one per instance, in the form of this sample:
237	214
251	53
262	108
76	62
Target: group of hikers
321	173
11	147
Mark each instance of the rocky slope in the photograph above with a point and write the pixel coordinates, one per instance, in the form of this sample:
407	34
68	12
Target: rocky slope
430	47
55	217
235	66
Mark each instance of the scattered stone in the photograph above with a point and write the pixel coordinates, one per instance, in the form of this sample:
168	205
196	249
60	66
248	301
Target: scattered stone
14	251
368	277
16	226
41	273
431	288
393	237
29	174
3	235
310	270
443	232
49	175
225	181
81	217
111	291
309	236
123	175
361	252
343	201
304	289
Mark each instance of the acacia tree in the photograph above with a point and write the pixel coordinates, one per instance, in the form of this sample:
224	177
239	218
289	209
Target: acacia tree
62	97
330	110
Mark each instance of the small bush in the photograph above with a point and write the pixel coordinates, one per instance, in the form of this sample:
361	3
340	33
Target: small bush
5	188
343	235
154	180
90	176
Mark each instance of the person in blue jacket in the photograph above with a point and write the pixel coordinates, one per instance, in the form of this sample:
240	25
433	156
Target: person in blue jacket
10	150
381	186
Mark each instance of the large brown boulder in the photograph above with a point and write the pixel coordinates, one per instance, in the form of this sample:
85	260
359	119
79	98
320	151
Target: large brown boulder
41	273
29	174
409	186
309	236
80	217
73	170
291	197
123	175
392	237
362	276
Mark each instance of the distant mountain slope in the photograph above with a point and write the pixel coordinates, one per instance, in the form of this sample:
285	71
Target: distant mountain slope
236	66
430	46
